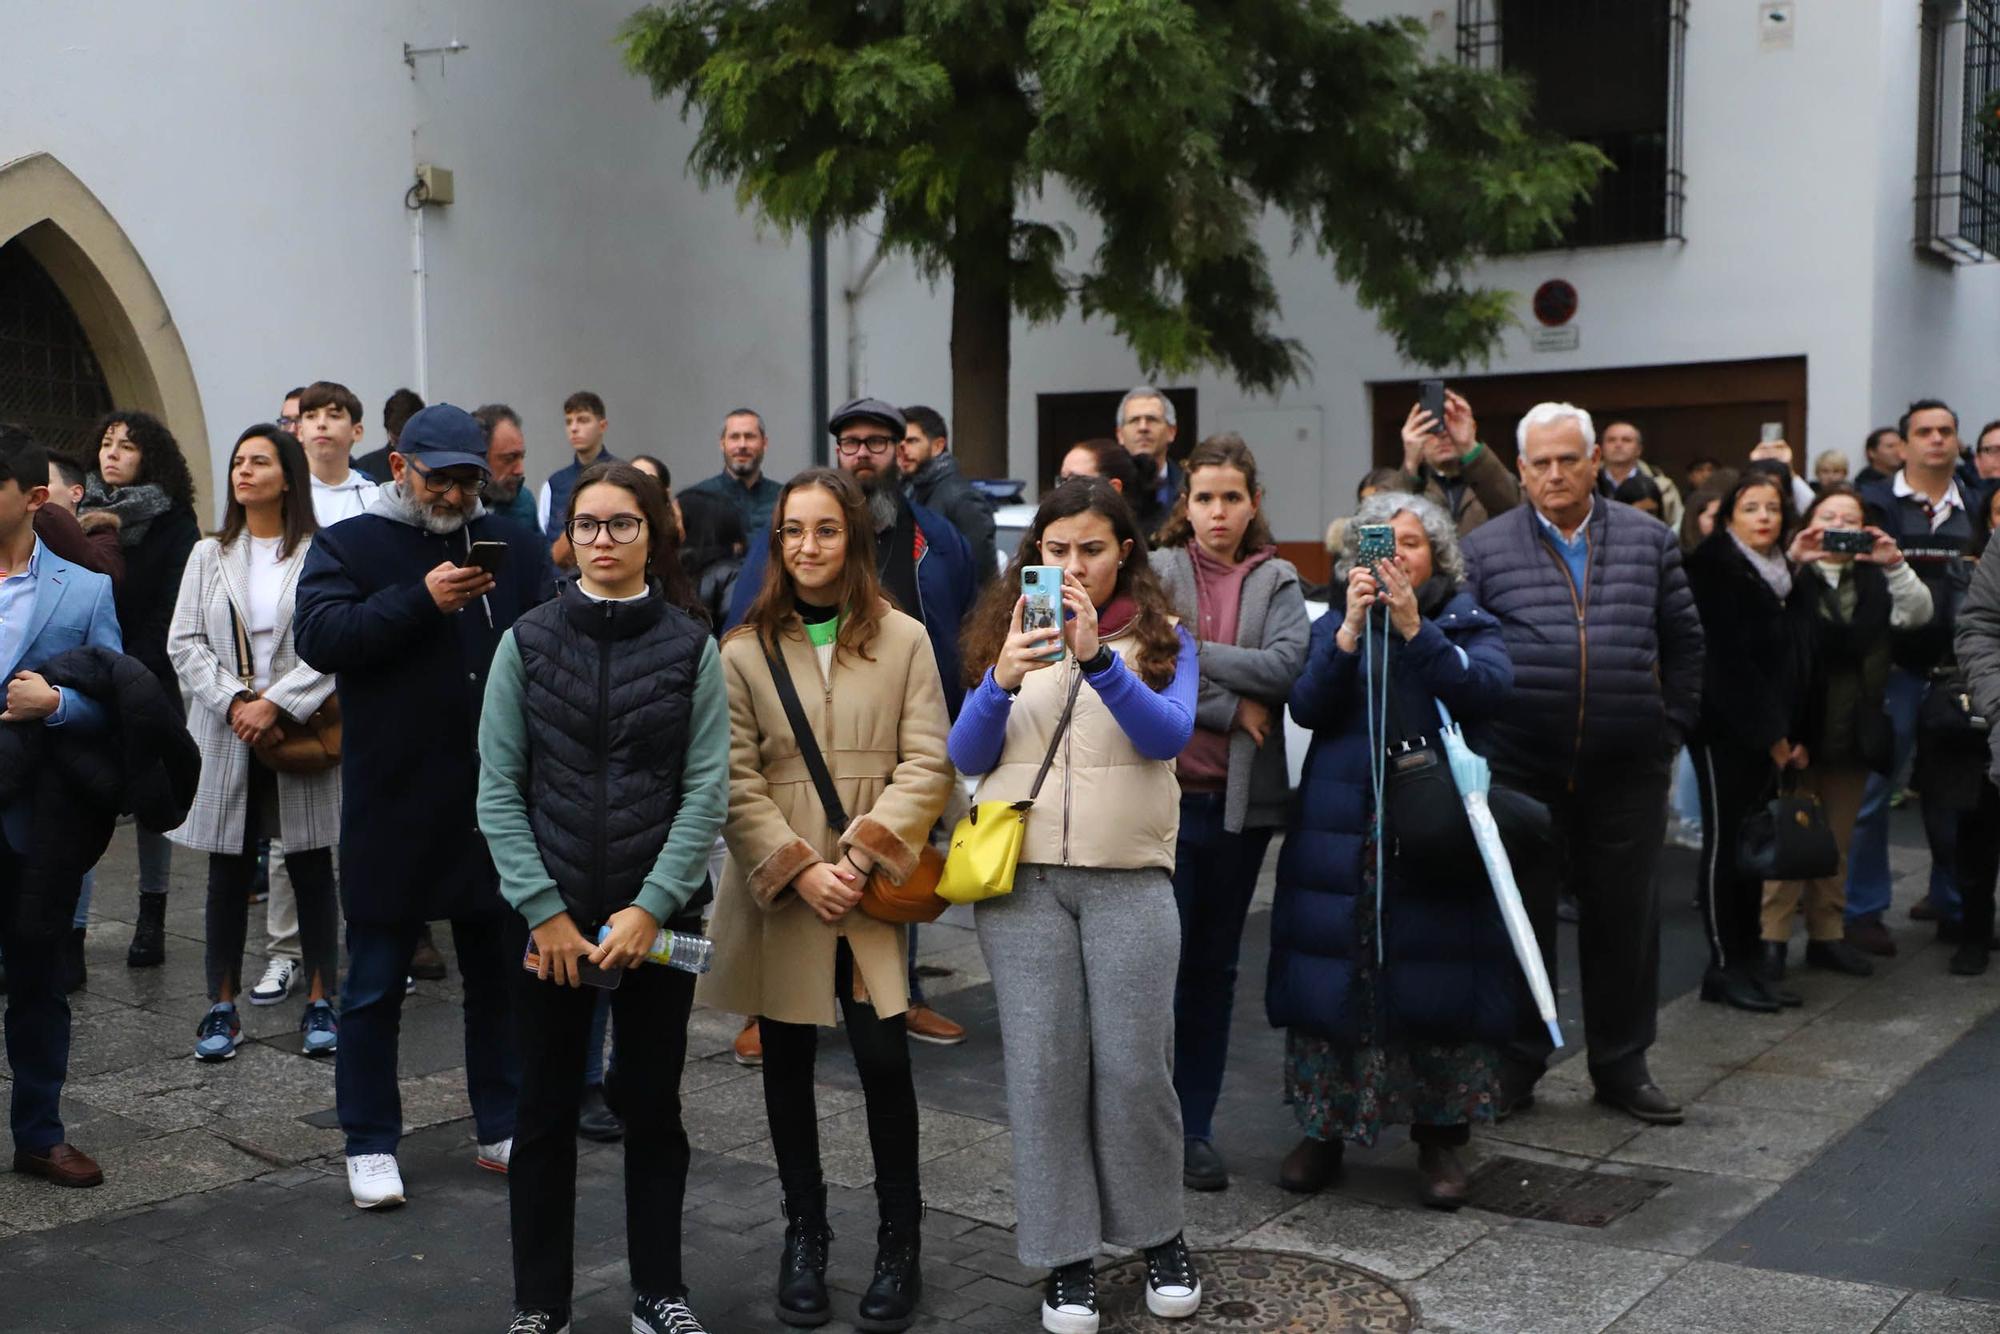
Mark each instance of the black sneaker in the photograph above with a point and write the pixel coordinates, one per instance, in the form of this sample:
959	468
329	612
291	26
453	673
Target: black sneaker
664	1315
529	1321
1173	1289
595	1120
1069	1300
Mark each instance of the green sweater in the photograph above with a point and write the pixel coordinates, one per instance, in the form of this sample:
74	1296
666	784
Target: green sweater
503	794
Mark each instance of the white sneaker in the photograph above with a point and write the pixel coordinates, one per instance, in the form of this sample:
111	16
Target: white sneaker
494	1157
374	1180
277	982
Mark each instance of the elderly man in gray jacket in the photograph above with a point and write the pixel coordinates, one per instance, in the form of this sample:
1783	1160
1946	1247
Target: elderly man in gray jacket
1245	607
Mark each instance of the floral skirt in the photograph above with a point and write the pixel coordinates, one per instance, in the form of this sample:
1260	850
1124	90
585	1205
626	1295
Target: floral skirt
1350	1091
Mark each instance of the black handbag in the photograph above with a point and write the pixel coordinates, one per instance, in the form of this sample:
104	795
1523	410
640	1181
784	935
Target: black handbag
1952	741
1788	838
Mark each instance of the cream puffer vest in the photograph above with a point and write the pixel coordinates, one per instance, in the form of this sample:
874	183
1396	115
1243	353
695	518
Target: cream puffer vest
1104	804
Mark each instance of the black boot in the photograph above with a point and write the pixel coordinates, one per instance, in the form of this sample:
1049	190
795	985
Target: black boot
1769	971
73	969
149	938
802	1299
1737	990
890	1303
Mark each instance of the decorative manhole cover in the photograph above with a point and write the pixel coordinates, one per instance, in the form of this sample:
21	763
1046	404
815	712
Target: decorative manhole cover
1263	1292
1523	1189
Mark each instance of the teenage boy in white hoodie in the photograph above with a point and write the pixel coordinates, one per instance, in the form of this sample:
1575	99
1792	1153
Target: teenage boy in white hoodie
329	427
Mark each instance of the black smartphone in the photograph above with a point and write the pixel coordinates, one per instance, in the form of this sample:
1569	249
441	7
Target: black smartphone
1430	397
488	556
588	973
1847	541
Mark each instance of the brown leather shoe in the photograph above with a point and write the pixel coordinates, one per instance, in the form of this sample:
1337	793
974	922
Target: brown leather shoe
1311	1167
1923	910
63	1165
750	1044
425	961
1444	1177
1868	935
927	1025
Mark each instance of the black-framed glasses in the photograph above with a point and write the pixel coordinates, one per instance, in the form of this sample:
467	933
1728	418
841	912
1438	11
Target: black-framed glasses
873	444
624	529
826	534
438	483
289	424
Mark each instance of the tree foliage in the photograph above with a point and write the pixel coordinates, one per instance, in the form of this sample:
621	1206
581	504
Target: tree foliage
1178	124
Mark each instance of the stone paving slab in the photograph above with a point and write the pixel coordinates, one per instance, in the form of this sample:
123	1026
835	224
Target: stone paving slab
1525	1284
1718	1296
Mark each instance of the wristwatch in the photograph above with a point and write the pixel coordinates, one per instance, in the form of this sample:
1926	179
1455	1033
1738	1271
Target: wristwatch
244	696
1105	657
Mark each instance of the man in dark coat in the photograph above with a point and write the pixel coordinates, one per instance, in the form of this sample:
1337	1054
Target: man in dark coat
391	603
931	478
1607	654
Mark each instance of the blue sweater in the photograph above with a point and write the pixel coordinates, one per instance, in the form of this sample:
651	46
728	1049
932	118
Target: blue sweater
1158	722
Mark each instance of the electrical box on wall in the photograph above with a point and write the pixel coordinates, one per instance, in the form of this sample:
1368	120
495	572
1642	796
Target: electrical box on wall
433	184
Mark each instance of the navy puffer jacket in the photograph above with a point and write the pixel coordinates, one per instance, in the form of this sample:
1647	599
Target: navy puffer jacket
1448	970
1603	678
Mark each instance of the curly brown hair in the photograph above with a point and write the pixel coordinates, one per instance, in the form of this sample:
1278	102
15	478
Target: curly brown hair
1152	625
861	603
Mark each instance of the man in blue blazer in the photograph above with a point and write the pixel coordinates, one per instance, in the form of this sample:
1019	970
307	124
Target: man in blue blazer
47	606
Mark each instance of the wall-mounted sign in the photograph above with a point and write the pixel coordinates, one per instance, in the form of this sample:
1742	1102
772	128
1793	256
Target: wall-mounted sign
1555	303
1565	339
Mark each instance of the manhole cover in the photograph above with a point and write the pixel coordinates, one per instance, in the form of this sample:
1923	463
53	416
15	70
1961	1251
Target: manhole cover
1265	1292
1523	1189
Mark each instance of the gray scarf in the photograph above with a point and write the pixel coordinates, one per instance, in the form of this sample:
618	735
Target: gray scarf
1774	569
135	506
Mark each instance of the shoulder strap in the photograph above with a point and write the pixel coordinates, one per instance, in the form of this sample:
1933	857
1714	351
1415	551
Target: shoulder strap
795	713
243	667
1062	725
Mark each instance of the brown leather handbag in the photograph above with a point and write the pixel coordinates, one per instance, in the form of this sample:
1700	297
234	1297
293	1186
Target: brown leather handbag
916	898
310	747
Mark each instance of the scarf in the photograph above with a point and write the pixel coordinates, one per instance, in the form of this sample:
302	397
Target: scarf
135	506
394	501
1772	569
1115	615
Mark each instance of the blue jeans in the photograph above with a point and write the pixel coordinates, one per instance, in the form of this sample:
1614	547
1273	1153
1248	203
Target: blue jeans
489	952
1215	875
1868	880
916	983
82	917
1686	796
156	860
37	1024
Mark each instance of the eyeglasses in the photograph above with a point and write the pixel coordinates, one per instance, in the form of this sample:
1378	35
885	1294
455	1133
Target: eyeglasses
1989	450
624	529
826	534
438	483
289	423
873	444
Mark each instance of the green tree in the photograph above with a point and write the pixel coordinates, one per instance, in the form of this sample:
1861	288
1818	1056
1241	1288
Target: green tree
1178	124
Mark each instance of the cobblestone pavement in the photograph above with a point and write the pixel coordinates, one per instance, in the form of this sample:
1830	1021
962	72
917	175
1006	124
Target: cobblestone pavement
1834	1174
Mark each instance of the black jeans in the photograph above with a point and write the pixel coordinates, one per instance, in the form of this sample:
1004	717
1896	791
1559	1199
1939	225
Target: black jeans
1609	827
37	1017
230	876
1979	863
882	1055
1734	781
651	1008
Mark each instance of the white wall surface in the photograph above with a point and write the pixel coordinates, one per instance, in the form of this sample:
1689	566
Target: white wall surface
258	155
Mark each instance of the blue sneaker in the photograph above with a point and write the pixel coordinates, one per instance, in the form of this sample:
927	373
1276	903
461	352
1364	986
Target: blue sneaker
321	1029
219	1035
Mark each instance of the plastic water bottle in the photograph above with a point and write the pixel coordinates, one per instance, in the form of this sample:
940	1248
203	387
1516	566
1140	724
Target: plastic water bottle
689	953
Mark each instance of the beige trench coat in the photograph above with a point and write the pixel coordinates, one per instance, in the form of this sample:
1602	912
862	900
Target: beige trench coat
882	727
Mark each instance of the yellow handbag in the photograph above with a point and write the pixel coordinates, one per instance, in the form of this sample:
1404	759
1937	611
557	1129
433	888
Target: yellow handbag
986	845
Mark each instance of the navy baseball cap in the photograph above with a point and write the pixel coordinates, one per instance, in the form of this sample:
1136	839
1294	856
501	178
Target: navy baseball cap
866	410
444	436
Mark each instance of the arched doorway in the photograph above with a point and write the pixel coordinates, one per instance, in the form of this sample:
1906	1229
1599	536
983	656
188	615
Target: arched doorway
97	324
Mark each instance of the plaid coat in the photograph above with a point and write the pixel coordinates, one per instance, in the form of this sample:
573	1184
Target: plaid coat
202	644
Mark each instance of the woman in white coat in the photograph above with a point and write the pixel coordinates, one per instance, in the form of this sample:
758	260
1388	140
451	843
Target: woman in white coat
231	645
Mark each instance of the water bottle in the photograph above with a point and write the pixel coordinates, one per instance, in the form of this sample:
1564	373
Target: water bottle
689	953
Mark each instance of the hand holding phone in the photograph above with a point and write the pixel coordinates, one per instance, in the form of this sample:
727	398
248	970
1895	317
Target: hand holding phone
488	556
1042	586
1430	398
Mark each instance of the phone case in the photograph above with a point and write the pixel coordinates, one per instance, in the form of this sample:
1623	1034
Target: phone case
1044	609
587	973
1376	542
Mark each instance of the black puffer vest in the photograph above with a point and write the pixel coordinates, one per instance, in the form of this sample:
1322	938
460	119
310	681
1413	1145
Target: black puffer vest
610	696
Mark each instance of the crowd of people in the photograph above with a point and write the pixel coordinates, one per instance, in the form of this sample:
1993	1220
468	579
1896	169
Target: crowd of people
750	710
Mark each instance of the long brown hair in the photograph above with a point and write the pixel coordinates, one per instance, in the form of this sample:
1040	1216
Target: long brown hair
1152	623
1227	450
295	504
861	601
663	535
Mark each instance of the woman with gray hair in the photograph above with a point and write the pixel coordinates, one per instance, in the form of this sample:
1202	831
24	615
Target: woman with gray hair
1393	976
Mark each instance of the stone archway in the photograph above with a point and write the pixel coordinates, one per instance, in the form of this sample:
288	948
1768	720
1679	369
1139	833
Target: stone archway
74	238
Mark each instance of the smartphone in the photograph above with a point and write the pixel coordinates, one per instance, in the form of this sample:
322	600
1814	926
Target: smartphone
604	979
1042	586
1430	397
1770	431
1376	543
488	556
1847	541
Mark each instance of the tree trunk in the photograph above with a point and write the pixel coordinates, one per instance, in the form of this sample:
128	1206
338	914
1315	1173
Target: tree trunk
981	361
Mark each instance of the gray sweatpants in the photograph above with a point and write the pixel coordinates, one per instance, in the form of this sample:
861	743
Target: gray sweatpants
1083	964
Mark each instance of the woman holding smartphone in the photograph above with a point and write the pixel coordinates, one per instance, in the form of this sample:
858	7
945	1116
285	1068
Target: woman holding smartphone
603	747
791	940
1083	952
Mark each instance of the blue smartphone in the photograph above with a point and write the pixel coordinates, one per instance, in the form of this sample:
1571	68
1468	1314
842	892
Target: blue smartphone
1375	543
1042	586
